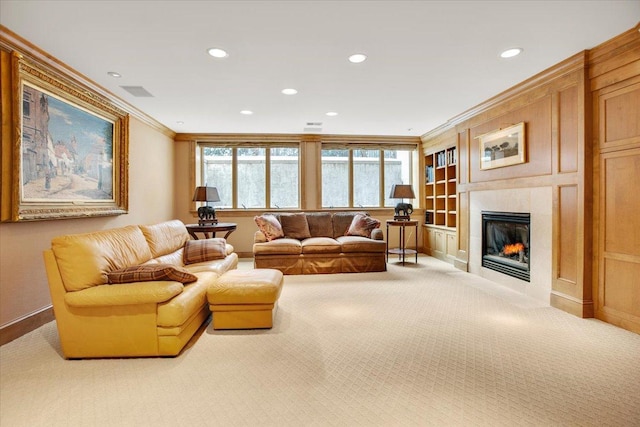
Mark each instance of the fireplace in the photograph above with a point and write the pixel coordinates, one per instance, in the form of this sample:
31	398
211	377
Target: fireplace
505	243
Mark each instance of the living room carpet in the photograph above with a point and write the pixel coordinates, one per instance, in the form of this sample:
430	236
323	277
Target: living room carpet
423	345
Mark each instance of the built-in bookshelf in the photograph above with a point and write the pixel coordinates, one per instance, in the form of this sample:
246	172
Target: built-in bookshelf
440	187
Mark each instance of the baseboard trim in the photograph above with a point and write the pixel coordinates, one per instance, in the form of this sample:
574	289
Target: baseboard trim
572	305
25	325
461	264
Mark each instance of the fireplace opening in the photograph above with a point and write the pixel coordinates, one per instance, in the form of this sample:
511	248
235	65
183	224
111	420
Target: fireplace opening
505	243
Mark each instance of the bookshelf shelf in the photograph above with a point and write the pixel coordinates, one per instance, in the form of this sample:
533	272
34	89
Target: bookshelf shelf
440	183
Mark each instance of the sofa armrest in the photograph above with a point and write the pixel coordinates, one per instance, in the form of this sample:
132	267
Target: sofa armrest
259	237
377	234
125	294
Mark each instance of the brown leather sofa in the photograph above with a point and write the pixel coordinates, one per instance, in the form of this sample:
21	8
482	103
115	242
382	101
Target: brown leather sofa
141	314
319	242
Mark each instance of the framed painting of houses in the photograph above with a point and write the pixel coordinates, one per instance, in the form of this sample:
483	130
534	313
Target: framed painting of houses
70	156
504	147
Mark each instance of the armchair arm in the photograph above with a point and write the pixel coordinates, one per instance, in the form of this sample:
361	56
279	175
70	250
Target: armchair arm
125	294
259	237
377	234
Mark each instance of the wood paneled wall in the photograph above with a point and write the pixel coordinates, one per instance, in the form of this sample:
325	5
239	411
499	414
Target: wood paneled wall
615	82
553	107
583	140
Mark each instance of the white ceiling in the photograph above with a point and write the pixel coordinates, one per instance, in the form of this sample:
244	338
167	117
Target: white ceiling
427	60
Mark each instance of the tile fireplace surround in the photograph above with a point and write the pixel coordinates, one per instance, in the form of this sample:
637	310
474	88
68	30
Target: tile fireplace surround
536	201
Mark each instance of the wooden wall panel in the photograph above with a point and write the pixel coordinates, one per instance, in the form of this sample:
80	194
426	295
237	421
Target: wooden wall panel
537	117
620	117
463	156
615	81
621	173
568	234
462	258
621	301
568	123
618	290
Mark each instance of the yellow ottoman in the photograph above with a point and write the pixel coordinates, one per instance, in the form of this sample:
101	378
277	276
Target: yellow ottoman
245	299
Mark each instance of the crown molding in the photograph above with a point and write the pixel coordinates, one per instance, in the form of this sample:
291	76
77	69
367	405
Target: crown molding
12	42
569	65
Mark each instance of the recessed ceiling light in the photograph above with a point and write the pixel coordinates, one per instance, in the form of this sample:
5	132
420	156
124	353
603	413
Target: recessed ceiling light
356	58
179	122
510	53
246	112
289	91
114	74
332	113
216	52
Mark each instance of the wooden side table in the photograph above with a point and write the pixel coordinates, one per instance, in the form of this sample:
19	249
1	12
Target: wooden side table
210	230
402	251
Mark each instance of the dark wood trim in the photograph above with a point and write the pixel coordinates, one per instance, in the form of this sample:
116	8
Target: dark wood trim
25	325
295	137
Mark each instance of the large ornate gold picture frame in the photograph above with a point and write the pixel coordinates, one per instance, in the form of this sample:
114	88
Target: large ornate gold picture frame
69	157
504	147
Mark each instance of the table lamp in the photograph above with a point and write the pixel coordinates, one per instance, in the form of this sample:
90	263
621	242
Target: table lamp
402	191
207	214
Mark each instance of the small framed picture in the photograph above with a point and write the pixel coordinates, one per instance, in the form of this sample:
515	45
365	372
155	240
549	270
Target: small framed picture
504	147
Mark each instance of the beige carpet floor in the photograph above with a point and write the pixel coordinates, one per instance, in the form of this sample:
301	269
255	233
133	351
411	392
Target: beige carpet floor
419	345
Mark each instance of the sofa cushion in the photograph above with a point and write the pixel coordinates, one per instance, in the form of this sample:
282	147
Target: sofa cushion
342	222
362	225
295	226
165	237
125	294
279	246
217	266
178	310
320	224
269	226
320	245
175	258
150	273
85	259
204	250
352	244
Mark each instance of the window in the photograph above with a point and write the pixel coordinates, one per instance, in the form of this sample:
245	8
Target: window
252	177
366	178
285	177
335	178
361	176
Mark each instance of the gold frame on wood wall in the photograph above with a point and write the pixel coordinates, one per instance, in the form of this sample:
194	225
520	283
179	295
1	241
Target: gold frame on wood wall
505	147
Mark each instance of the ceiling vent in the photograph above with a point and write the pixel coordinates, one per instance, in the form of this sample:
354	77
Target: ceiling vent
313	127
137	91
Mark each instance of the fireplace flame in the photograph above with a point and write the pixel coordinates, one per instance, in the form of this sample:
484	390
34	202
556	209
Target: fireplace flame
513	249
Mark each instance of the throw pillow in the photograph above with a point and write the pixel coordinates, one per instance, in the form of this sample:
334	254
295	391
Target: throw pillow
362	226
269	226
204	250
150	273
342	221
295	226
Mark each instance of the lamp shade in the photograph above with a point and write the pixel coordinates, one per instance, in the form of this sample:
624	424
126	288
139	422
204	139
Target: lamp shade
402	191
206	194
